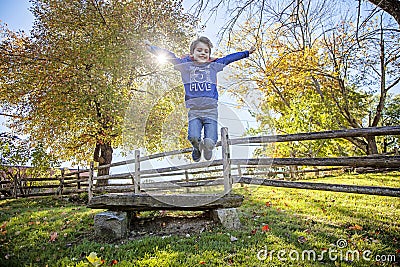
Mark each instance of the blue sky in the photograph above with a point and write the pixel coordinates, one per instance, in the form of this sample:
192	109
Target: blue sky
16	14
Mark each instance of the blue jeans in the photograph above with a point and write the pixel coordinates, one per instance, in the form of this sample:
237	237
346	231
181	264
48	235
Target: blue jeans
199	121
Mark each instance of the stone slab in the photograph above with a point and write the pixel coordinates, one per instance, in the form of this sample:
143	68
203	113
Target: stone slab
229	218
111	224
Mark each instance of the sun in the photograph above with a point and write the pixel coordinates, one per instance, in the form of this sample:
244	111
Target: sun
162	58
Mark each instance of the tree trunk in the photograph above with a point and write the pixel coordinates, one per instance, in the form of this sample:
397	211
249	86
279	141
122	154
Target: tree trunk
392	7
103	155
372	148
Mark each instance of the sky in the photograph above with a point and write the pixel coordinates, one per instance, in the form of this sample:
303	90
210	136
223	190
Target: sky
16	14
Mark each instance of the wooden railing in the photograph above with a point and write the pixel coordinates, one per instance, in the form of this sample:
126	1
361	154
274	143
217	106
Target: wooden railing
63	184
203	173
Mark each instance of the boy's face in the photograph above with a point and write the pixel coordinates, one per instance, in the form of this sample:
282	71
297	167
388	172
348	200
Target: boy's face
201	53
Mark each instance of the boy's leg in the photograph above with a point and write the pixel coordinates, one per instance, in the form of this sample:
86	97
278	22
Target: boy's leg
210	137
194	136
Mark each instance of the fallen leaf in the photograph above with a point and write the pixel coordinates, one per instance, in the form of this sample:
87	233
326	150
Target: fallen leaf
113	262
94	260
356	227
3	230
268	204
202	262
53	236
254	231
265	228
302	239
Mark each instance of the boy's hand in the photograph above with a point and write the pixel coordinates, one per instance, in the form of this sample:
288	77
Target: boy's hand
252	49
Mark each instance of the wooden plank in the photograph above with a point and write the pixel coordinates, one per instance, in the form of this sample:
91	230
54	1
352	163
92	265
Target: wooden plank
184	167
141	202
226	163
369	190
144	158
136	179
90	181
371	131
367	161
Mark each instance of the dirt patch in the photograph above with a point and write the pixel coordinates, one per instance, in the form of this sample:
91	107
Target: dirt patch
167	225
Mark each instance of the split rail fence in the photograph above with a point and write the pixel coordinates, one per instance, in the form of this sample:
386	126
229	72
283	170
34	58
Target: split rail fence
65	183
227	170
222	172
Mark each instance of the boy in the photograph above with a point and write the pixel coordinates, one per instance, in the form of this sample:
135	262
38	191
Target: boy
199	76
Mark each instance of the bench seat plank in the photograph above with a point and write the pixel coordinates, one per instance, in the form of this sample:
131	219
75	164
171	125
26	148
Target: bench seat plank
147	202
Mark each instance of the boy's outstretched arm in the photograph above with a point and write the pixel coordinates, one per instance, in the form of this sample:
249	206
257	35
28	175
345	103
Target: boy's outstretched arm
171	57
235	56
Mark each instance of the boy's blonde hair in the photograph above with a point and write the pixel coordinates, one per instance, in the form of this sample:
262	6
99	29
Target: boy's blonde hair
201	39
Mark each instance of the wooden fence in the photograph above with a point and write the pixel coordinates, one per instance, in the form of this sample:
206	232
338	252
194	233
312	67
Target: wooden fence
222	172
65	183
226	170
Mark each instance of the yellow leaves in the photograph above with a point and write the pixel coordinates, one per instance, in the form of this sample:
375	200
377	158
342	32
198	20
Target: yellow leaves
94	260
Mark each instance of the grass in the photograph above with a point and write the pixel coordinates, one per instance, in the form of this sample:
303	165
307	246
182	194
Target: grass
279	226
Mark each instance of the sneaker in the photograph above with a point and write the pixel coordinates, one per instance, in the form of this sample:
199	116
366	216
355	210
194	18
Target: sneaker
207	147
207	154
196	154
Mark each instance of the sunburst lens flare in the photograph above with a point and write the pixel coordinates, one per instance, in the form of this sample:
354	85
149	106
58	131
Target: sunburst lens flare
162	59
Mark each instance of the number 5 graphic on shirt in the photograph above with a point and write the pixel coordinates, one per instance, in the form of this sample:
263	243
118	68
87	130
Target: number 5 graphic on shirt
199	75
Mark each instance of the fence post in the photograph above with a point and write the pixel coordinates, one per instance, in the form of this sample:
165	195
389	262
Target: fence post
226	160
78	184
240	174
61	182
15	188
187	180
136	180
90	187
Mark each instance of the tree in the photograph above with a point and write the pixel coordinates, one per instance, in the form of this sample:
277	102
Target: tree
312	82
300	94
265	8
70	83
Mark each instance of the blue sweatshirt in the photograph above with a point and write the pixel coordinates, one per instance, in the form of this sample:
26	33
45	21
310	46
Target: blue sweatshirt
199	80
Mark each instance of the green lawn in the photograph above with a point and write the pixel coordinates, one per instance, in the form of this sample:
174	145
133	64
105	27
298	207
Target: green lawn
281	227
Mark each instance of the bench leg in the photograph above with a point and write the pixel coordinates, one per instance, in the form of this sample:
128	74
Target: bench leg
229	218
111	224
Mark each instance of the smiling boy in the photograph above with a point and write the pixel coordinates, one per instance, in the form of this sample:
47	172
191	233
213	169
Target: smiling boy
199	77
